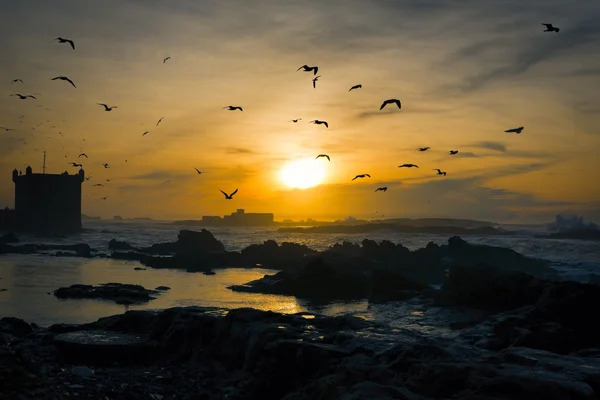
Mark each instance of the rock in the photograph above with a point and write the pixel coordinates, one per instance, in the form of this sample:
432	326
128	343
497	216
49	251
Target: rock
211	272
139	269
163	288
82	371
15	327
119	292
192	242
271	255
387	286
115	244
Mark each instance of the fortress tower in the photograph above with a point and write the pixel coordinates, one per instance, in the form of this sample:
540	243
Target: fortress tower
48	203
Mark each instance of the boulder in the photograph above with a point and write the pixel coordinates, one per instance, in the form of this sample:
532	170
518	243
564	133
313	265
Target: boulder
193	242
118	292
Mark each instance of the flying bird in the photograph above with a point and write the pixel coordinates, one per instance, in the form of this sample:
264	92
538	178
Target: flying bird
233	108
87	178
17	80
76	165
24	97
159	121
323	155
82	155
316	121
361	176
6	129
355	87
295	120
199	172
145	133
440	172
165	60
64	78
423	148
106	107
229	196
98	184
515	130
383	189
453	152
106	165
408	166
315	79
391	101
104	198
62	40
308	69
550	28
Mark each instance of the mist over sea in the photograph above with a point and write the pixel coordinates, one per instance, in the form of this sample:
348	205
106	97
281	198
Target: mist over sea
30	279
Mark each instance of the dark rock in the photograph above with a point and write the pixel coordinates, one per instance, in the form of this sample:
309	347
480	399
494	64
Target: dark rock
387	286
15	327
118	245
211	272
162	288
139	269
192	242
118	292
270	255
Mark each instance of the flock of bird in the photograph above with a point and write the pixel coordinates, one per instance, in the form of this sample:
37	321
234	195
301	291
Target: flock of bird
304	68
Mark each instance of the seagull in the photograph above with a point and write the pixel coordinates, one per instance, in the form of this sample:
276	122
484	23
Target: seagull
423	148
108	180
408	166
104	198
550	28
82	155
229	196
76	165
390	101
383	189
361	176
17	80
315	79
355	87
106	165
64	78
160	121
24	97
165	60
323	155
98	184
453	152
106	107
295	120
308	69
439	171
61	40
145	133
316	121
199	172
6	129
515	130
233	108
87	178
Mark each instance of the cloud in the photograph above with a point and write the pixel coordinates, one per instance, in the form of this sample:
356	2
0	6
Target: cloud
239	150
496	146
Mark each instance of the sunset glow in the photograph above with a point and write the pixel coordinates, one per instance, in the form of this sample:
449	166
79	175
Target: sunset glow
302	174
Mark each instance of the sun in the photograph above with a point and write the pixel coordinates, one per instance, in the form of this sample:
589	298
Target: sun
302	174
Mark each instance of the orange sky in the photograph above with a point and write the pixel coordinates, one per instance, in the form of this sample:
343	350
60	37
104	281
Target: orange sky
464	74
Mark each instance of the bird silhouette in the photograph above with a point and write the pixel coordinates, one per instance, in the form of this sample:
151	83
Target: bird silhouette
6	129
106	107
550	28
104	198
383	189
391	101
106	165
361	176
439	171
199	172
159	121
308	69
229	196
315	79
64	78
408	166
423	148
75	164
87	178
295	120
515	130
453	152
165	60
316	121
108	180
62	40
145	133
98	184
17	80
82	155
24	97
323	155
355	87
233	108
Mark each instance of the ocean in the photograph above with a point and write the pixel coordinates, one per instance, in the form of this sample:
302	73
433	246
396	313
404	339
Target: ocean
30	279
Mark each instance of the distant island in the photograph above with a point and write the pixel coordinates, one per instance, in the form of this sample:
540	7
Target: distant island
238	218
399	228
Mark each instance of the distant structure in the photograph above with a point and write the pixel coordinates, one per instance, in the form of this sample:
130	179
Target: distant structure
240	218
47	202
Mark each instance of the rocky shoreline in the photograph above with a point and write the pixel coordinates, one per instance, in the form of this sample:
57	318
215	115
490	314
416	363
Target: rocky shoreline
536	343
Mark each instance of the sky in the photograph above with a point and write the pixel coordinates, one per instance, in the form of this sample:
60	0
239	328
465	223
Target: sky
464	71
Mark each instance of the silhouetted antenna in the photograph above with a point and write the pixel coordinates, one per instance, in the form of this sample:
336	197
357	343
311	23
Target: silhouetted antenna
44	166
